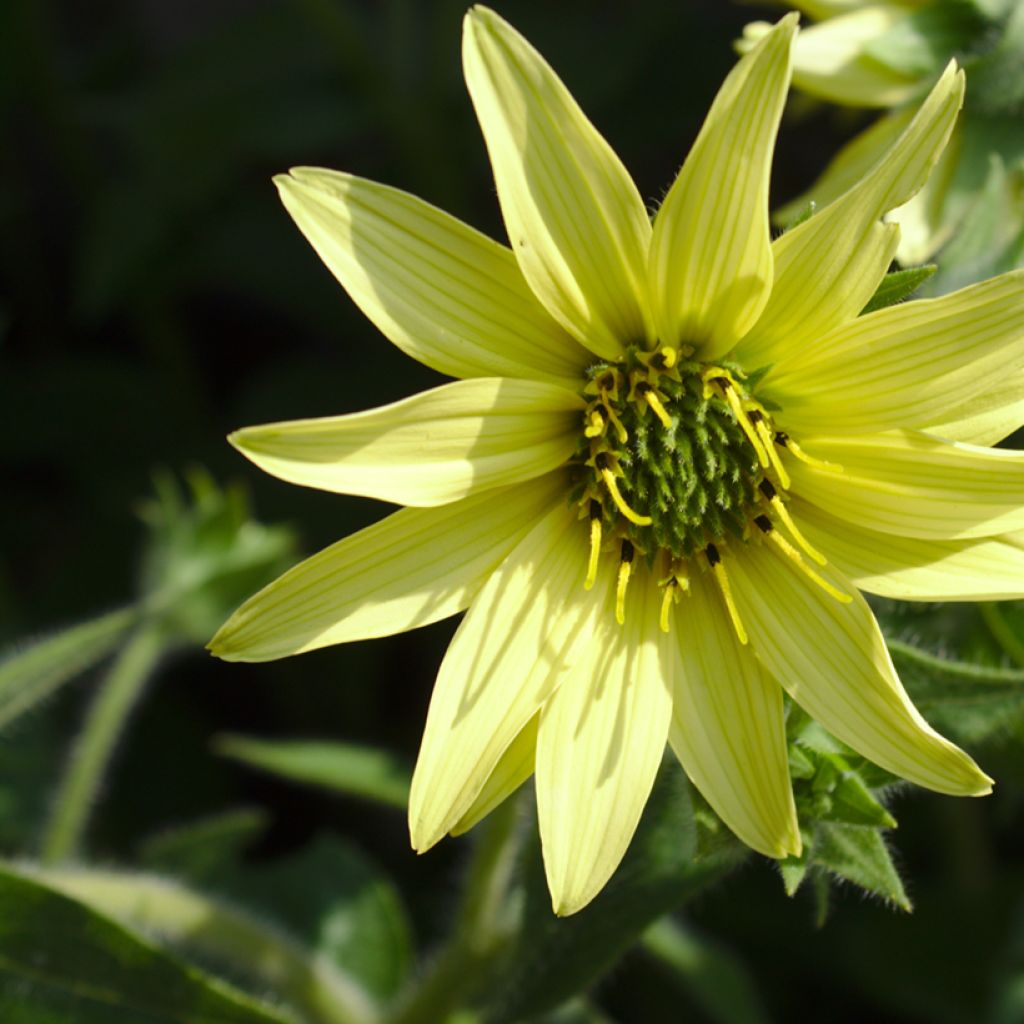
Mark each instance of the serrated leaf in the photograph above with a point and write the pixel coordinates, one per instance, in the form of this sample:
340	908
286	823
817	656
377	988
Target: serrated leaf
342	767
970	702
198	849
899	285
29	675
715	978
554	958
63	963
859	855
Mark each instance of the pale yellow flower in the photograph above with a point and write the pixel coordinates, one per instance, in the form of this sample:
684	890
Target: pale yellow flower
662	432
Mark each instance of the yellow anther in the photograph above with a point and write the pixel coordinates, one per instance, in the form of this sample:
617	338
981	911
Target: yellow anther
790	445
595	423
620	502
595	552
722	579
741	417
652	399
768	440
625	571
794	556
669	596
783	513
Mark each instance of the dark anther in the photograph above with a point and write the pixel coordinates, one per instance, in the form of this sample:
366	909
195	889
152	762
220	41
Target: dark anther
722	382
643	387
659	362
595	509
764	524
781	437
712	555
767	489
754	416
601	460
626	555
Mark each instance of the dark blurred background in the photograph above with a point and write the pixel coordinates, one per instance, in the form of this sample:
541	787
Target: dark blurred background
155	295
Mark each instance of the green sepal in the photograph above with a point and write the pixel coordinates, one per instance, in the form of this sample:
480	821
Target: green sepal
859	855
899	285
794	869
805	214
800	764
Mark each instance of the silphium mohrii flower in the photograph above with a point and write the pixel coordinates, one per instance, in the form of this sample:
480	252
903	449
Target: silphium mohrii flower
674	455
884	55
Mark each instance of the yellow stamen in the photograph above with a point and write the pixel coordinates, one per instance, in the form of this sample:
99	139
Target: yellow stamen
595	550
722	579
787	442
783	513
595	423
669	356
794	556
769	446
740	415
625	570
669	596
652	399
620	502
620	430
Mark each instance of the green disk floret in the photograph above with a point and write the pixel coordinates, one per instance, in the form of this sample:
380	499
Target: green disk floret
663	430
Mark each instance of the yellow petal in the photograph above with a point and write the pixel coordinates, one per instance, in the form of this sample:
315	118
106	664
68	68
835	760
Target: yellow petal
911	484
728	729
574	217
711	260
441	291
832	659
521	635
852	163
432	448
827	268
415	567
830	61
602	737
905	366
987	418
912	569
511	771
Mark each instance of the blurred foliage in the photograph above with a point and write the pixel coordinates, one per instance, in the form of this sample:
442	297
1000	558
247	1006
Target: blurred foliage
153	296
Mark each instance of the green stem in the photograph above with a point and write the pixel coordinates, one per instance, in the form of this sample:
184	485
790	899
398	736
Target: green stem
310	982
1002	631
479	931
104	722
962	670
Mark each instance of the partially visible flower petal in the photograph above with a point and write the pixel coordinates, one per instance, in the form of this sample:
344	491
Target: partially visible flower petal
828	268
905	366
575	219
415	567
523	632
830	60
986	418
441	291
728	729
915	485
514	768
711	257
435	447
832	659
849	166
912	569
602	737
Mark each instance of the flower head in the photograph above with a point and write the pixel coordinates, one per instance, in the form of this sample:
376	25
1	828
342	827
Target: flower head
675	457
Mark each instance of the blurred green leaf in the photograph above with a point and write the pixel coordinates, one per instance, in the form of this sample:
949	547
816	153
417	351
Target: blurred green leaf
554	958
31	674
972	703
897	286
342	767
199	849
715	978
859	855
334	898
62	963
